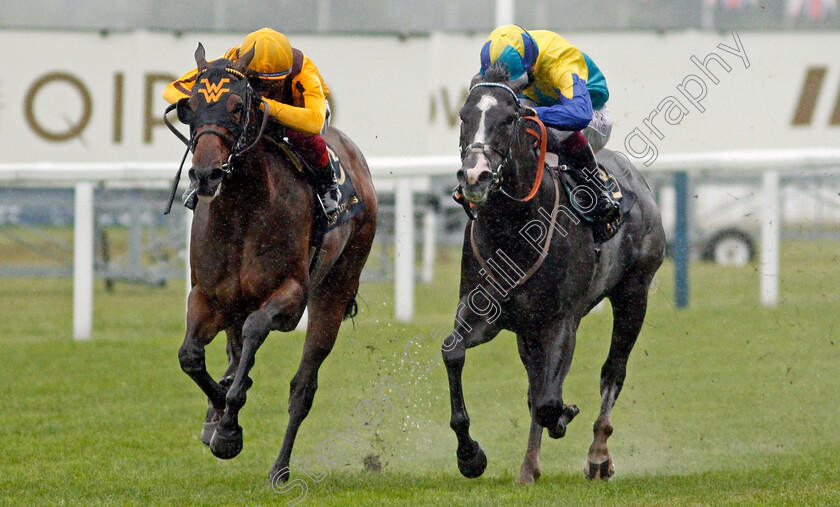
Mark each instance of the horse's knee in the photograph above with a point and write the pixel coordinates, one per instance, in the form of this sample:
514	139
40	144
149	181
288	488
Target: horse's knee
301	396
191	359
288	321
453	358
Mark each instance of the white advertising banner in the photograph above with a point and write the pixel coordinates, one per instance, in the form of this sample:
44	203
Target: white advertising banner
91	97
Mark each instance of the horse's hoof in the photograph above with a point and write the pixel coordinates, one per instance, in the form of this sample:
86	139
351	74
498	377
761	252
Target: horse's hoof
528	476
207	432
569	413
278	476
558	431
475	465
226	443
599	471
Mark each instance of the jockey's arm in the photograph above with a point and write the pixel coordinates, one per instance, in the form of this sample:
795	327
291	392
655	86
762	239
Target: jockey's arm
309	118
574	112
180	88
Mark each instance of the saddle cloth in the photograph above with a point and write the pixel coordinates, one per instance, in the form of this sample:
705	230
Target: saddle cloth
626	198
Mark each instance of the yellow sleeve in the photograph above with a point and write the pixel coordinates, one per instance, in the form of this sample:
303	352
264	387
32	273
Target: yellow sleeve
308	91
182	87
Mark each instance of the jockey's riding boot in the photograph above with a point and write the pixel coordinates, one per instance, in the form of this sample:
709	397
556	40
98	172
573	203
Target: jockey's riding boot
190	197
329	191
584	170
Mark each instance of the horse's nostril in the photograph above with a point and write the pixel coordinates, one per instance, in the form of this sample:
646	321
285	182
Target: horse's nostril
191	174
484	177
461	175
216	174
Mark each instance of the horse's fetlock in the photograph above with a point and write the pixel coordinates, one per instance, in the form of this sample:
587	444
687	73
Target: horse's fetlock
235	401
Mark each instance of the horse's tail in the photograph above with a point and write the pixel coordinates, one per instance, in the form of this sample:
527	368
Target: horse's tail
352	306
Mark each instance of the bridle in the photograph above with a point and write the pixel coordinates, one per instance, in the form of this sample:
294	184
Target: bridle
484	148
505	155
236	144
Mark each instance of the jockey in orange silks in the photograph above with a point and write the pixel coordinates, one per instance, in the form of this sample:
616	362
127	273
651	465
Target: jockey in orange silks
296	95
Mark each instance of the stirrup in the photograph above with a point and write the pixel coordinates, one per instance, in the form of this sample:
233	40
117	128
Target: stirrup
330	205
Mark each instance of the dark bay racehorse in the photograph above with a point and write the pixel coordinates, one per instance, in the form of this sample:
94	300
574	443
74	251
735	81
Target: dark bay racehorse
250	251
529	265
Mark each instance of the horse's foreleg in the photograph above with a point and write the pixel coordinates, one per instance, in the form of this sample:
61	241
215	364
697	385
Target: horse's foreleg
471	459
629	302
282	311
530	471
202	326
234	352
559	345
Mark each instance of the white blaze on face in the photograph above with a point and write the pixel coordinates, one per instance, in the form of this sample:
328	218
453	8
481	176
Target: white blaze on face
481	165
484	105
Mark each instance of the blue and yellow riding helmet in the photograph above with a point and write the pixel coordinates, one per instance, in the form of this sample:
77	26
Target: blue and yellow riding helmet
512	46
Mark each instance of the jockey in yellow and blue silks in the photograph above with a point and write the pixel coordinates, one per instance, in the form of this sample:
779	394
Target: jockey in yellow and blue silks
569	94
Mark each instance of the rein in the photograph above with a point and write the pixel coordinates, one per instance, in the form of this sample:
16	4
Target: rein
543	140
236	149
543	254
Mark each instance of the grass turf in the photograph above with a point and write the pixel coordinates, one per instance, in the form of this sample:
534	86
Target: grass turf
725	403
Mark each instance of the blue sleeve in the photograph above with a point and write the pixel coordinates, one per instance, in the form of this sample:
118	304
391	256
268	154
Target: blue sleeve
570	114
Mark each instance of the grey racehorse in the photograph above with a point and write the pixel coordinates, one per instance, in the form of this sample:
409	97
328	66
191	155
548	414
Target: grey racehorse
530	266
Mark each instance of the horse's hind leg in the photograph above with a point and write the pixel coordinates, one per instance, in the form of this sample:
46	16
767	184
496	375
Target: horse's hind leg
327	306
629	302
281	312
530	470
322	330
234	352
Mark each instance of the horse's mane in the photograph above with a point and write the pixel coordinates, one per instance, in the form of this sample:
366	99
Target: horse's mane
496	73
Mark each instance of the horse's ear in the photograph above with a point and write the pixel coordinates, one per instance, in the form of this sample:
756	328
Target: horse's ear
519	84
476	79
185	112
200	60
244	60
